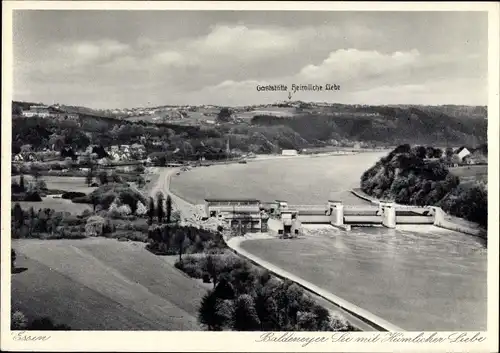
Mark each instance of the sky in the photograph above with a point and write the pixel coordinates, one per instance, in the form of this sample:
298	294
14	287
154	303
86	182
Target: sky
123	59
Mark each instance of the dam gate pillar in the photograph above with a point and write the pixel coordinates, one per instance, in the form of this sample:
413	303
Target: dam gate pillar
336	212
388	214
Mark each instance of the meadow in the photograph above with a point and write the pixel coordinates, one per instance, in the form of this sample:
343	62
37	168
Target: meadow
300	180
103	284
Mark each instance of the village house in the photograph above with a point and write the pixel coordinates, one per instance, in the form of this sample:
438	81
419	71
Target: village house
289	152
462	152
37	110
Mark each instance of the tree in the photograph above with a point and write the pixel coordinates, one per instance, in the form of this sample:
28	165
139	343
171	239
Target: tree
449	152
103	177
18	321
36	174
214	313
179	239
169	209
18	215
22	187
89	176
140	209
212	269
151	210
245	316
13	258
115	178
160	212
420	152
224	115
46	324
95	200
224	289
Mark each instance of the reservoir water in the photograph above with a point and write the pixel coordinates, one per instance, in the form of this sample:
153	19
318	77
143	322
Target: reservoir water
416	277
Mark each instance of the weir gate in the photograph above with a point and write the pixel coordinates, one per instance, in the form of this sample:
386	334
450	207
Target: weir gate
335	213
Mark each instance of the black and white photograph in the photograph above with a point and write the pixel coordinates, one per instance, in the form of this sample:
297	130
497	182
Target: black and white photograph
279	172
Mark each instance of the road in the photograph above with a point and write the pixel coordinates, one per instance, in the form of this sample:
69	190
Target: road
190	214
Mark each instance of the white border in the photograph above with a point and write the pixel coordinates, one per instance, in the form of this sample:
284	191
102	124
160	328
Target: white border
236	341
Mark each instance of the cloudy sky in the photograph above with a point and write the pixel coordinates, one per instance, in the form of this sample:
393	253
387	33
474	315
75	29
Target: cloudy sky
108	59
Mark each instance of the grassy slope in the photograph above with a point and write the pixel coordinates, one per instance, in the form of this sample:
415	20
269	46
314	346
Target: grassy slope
103	284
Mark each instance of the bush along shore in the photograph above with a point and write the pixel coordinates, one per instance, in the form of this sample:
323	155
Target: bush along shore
408	176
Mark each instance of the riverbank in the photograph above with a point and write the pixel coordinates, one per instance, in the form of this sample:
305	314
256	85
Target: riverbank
442	219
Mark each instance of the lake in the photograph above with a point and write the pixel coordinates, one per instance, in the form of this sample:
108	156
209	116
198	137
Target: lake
299	180
418	278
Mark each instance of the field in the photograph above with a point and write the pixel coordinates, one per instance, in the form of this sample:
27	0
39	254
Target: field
59	205
432	279
471	173
299	180
62	183
103	284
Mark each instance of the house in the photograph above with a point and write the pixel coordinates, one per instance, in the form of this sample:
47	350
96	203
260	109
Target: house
243	215
37	110
289	152
18	158
462	152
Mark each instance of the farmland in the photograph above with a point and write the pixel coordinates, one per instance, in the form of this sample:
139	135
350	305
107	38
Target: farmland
62	183
103	284
471	173
57	204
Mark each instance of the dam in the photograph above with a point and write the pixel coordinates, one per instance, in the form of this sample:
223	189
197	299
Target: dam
251	215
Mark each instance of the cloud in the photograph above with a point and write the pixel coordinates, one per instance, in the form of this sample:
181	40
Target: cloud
224	65
347	64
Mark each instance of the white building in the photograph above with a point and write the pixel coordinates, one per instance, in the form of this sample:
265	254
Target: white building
289	153
462	153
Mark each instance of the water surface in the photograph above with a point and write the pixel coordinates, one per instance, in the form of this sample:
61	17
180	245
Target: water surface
417	278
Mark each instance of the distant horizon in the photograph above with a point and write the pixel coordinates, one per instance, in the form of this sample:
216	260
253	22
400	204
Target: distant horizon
106	59
247	105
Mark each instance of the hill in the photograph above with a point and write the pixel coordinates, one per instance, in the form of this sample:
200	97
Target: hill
125	286
259	128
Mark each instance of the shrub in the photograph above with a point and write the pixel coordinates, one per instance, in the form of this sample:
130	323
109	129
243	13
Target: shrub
33	196
82	199
206	277
124	210
94	226
141	210
73	194
18	321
